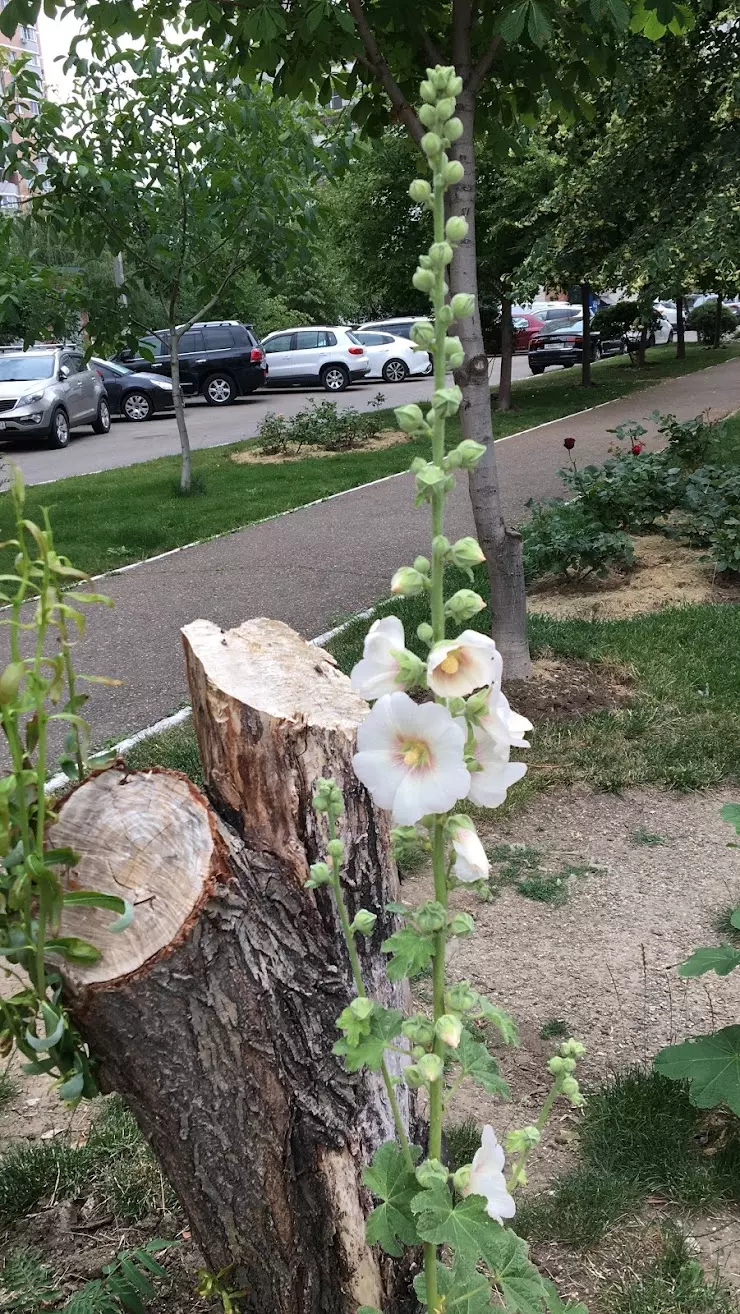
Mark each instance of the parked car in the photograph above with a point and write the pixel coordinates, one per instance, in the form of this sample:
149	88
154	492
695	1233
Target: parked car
663	334
550	311
399	327
131	395
562	344
49	391
391	358
526	325
668	310
220	359
331	358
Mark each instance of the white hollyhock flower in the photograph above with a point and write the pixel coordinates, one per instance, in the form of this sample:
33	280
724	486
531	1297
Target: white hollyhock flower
489	785
471	863
410	757
501	724
378	672
458	666
487	1178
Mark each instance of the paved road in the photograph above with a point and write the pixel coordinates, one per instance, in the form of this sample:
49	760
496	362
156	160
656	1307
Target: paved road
127	444
318	563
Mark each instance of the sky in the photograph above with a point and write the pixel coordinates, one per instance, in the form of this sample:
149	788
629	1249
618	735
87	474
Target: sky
56	35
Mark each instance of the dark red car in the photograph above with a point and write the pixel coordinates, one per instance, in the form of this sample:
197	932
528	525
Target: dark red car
526	326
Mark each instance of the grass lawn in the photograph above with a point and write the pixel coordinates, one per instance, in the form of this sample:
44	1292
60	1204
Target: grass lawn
106	520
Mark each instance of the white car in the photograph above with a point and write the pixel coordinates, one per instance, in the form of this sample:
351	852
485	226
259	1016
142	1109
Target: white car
329	358
399	328
391	358
668	310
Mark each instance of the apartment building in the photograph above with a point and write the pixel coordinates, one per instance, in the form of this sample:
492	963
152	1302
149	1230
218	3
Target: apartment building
24	41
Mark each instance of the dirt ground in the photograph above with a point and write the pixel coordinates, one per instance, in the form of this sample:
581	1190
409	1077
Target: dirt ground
666	574
253	456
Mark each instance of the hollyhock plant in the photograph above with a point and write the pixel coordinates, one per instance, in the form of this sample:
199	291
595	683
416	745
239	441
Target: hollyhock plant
418	760
410	757
460	666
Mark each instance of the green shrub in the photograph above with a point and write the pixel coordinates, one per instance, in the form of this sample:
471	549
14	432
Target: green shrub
711	502
627	492
703	320
626	317
321	425
689	441
562	538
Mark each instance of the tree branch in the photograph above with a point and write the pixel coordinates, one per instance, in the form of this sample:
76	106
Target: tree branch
483	67
382	72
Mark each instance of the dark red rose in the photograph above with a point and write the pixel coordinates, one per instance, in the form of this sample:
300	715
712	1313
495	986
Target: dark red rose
569	444
636	448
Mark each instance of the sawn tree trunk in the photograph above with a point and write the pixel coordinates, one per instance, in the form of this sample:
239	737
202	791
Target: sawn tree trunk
214	1013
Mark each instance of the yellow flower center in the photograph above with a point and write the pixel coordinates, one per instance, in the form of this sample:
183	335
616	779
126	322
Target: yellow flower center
451	664
415	753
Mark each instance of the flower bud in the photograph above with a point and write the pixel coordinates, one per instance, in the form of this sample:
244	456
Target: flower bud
423	280
364	922
440	254
335	849
419	1030
456	706
456	229
428	115
572	1048
440	545
423	565
411	669
454	85
518	1142
463	605
408	582
431	1067
466	552
410	418
10	681
447	401
412	1076
462	924
418	1051
361	1008
430	1172
320	875
477	705
461	1179
422	333
445	315
428	93
439	77
636	448
454	353
425	632
431	144
461	997
555	1065
569	1065
462	305
454	129
453	172
431	917
572	1090
470	453
449	1029
569	444
420	191
430	476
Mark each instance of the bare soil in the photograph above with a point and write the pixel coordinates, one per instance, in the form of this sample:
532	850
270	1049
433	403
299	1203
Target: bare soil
295	452
564	690
666	574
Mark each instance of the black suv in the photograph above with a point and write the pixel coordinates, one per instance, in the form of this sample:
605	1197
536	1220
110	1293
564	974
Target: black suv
221	359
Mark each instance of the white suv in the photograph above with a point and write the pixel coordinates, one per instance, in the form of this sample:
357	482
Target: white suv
391	358
329	357
400	328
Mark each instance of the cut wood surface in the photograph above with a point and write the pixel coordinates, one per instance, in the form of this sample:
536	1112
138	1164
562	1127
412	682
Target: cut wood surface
214	1014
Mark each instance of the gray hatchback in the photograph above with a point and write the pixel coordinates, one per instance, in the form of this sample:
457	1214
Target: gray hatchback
47	392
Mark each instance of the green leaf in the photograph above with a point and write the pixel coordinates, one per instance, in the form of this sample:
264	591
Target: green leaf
710	1063
720	958
555	1304
538	24
501	1019
95	899
73	1087
735	919
477	1063
730	812
73	948
385	1025
511	23
411	952
465	1289
392	1181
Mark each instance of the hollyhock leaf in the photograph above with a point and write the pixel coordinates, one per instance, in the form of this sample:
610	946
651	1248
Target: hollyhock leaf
500	1019
395	1185
480	1066
465	1289
711	1064
385	1025
721	958
411	952
730	812
555	1304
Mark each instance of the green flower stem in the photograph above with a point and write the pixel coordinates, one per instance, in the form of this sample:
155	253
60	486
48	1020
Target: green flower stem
72	691
438	424
354	959
555	1090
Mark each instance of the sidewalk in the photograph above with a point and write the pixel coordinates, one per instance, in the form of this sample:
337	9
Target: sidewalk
317	565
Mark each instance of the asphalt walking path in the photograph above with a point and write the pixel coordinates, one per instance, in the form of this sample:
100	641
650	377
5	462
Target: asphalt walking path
317	565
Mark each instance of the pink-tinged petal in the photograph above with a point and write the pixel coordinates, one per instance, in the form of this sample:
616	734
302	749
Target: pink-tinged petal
424	792
478	663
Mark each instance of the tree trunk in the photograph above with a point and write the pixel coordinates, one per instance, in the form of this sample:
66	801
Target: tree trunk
718	321
680	330
586	354
502	547
214	1014
507	354
179	404
642	346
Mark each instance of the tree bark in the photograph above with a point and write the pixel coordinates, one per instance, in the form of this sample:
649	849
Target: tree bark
502	546
186	473
680	330
718	321
586	354
507	354
641	346
214	1014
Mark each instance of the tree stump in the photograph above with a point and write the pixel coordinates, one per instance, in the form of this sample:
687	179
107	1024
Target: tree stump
214	1013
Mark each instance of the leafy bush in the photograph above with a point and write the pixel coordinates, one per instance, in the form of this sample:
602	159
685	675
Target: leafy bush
625	318
703	319
321	425
689	441
711	502
562	538
627	492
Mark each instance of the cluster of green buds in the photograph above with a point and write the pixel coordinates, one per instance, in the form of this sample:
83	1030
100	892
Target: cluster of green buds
563	1065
